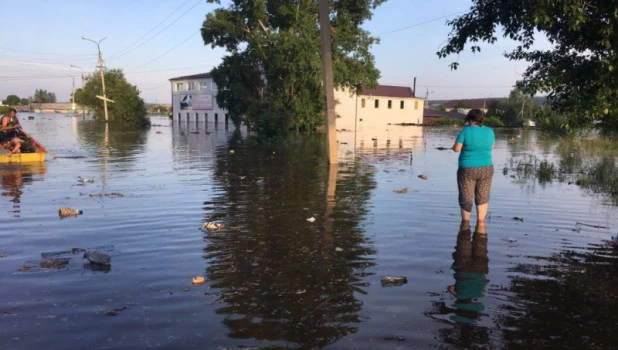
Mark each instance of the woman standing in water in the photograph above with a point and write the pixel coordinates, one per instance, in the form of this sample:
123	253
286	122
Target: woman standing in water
476	170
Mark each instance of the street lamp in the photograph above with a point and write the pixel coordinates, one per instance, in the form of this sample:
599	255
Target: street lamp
80	68
104	98
83	80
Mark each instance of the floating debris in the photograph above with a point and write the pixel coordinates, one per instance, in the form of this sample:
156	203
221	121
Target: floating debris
311	219
518	219
213	225
403	190
54	263
338	249
424	177
510	240
198	280
98	258
442	148
114	312
85	180
393	281
65	212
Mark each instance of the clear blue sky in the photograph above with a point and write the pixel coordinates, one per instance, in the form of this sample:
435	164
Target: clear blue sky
155	40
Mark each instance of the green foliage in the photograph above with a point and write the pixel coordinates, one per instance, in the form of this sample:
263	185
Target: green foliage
440	108
42	96
11	100
4	110
551	122
545	172
448	122
24	102
127	108
272	76
493	122
579	72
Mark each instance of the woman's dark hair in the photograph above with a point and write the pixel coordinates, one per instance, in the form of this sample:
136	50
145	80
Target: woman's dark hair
12	110
475	115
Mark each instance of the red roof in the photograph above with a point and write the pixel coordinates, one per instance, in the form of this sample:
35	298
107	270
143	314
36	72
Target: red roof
389	91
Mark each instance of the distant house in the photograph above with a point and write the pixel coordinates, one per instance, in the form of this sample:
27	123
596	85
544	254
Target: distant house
478	103
431	115
377	117
195	96
378	108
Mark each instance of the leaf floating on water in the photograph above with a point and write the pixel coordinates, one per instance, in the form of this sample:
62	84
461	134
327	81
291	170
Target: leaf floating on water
403	190
424	177
518	219
311	219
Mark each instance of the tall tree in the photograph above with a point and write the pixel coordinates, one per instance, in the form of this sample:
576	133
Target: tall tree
128	107
42	96
11	100
579	72
271	76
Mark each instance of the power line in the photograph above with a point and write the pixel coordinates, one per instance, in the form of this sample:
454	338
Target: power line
170	50
157	34
421	23
150	31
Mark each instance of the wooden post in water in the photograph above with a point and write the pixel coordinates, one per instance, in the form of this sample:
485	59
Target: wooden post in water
327	74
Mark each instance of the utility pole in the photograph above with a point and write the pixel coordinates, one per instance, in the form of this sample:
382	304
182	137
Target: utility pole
104	97
73	98
83	80
329	90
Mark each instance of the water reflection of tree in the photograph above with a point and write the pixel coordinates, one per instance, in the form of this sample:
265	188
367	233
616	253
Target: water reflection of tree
121	142
14	178
567	301
279	277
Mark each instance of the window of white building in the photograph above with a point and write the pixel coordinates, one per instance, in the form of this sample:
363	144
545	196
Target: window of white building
180	87
377	103
190	86
401	105
390	104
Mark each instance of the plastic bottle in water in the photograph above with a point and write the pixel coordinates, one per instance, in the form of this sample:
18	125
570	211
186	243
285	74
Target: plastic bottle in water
69	212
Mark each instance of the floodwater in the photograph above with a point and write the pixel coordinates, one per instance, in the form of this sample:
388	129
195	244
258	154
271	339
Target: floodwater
543	277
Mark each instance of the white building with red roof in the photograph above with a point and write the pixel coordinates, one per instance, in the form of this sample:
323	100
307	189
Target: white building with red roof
380	117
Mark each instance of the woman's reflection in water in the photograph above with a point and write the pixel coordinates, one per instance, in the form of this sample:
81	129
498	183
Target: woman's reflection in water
470	265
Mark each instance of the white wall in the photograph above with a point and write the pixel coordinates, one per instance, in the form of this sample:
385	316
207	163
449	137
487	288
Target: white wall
369	127
203	95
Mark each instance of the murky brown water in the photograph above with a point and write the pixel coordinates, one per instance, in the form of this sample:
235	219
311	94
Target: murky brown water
275	280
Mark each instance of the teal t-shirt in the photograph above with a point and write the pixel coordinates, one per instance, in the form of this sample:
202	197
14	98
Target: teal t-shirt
477	141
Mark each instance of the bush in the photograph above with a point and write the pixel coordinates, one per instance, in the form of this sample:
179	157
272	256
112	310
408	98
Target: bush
448	122
493	122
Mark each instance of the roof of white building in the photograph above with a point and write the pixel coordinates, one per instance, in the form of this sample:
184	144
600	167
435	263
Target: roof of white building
389	91
194	76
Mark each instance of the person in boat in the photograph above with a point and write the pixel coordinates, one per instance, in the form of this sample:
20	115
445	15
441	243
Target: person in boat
10	130
11	146
14	136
